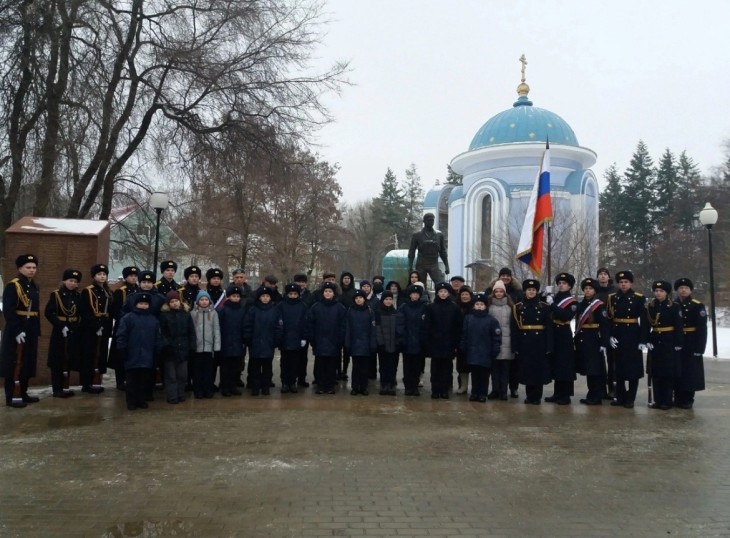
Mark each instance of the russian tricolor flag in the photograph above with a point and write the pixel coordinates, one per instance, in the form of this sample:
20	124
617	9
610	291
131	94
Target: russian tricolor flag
539	212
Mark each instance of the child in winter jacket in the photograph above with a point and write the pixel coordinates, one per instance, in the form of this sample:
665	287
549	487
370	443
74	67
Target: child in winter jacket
178	336
360	341
385	333
262	333
292	312
138	341
411	336
500	308
207	343
443	328
481	340
326	328
231	317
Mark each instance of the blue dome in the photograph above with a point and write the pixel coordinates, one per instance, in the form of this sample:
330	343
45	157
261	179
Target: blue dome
524	123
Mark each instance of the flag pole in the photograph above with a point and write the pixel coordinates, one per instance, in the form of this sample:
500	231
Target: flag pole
548	224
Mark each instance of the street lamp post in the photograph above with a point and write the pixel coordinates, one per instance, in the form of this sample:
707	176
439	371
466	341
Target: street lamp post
158	202
708	217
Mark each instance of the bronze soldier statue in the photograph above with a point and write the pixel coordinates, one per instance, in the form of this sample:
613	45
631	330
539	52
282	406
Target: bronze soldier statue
430	245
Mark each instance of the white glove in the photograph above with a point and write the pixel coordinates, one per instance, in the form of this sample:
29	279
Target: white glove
602	349
650	346
303	343
549	299
677	348
614	342
64	331
642	347
100	331
697	354
20	338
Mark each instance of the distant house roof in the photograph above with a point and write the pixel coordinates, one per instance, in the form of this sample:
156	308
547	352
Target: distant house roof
59	226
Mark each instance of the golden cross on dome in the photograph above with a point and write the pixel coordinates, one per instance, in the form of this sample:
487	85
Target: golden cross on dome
523	61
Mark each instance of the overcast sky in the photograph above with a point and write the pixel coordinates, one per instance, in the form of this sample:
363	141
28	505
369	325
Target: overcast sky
427	74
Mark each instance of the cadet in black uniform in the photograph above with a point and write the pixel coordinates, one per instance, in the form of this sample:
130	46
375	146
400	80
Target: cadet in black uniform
629	330
62	310
119	299
592	330
214	276
562	361
189	291
531	331
96	329
694	320
604	289
168	268
665	343
21	304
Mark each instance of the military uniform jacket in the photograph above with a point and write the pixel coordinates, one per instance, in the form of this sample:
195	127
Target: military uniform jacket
665	319
163	286
95	307
531	330
694	327
592	329
562	361
629	325
119	299
188	294
21	309
62	310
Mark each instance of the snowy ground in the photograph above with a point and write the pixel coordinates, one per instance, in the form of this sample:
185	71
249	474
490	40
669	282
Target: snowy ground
723	343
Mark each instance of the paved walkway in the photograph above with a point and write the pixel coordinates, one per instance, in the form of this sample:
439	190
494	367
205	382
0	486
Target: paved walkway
307	465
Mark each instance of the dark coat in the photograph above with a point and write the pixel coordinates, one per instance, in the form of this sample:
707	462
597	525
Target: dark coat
481	338
216	294
443	328
62	310
189	293
139	339
21	309
694	320
163	286
411	332
158	301
592	332
347	294
386	328
293	315
562	360
178	333
602	292
531	331
629	325
326	327
262	330
360	339
230	318
666	335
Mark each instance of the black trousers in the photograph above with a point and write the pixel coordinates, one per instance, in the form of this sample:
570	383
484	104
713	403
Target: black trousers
289	366
596	387
479	380
500	376
138	381
563	389
360	372
411	370
261	369
229	373
373	366
57	379
203	374
388	368
303	363
343	366
533	393
441	371
610	369
514	375
663	389
324	372
626	395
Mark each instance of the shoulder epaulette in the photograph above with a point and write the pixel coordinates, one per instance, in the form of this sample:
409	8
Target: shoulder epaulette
13	281
696	301
158	282
90	286
638	293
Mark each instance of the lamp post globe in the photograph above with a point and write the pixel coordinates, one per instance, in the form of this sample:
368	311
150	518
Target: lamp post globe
708	218
158	201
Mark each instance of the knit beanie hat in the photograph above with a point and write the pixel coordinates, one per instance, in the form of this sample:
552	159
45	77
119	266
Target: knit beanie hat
171	296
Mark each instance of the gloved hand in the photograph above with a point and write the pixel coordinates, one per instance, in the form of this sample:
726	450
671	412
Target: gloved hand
614	342
64	332
446	270
697	354
642	347
20	338
100	331
677	348
650	346
303	343
602	349
549	299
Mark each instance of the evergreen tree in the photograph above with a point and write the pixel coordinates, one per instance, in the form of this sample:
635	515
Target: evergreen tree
389	210
610	218
413	198
666	186
687	200
452	178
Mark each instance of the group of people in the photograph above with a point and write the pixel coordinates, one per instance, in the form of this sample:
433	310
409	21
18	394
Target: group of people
184	336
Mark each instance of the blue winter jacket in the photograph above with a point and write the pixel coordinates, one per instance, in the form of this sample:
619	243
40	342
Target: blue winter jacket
262	330
139	339
230	318
293	316
481	338
360	340
326	327
410	327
